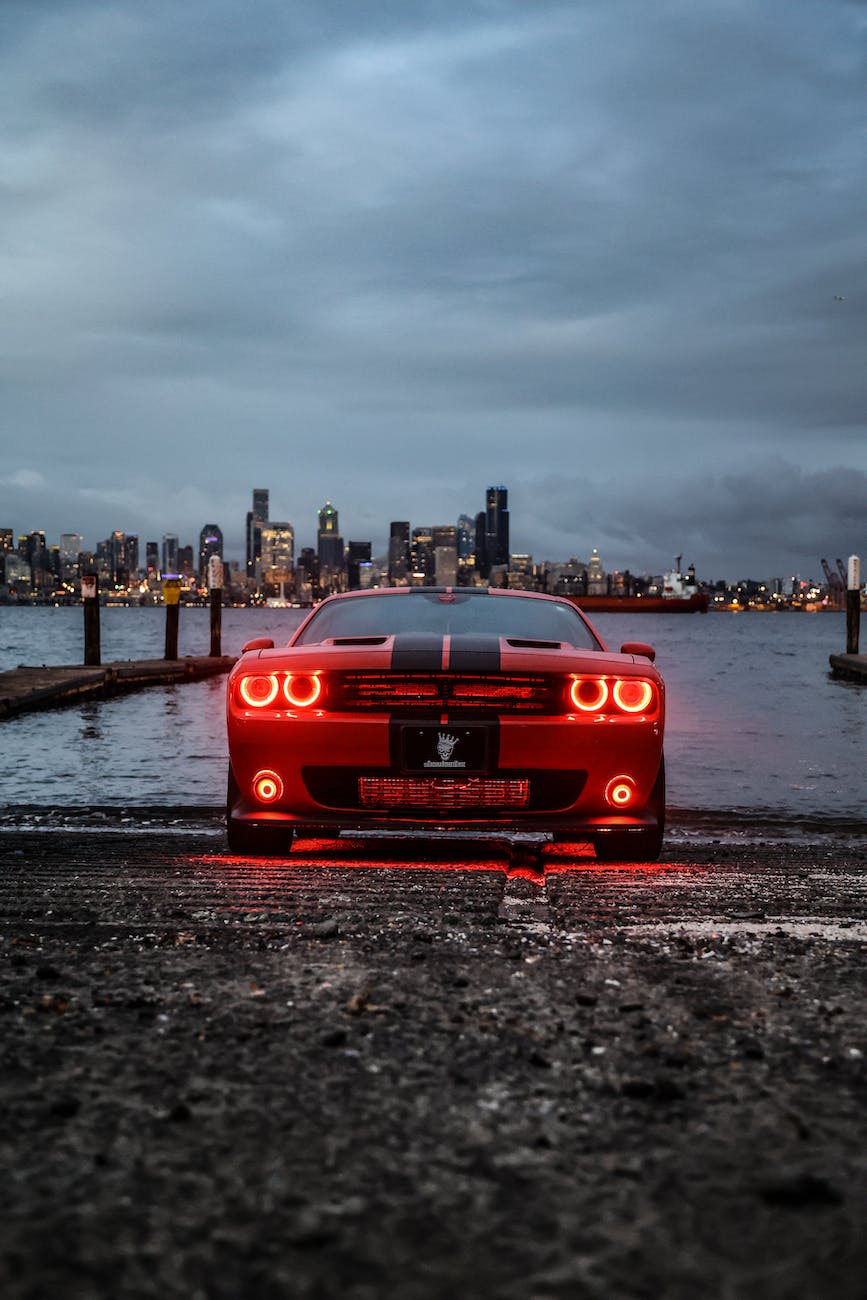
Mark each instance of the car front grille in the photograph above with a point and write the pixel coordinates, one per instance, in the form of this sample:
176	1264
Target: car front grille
424	792
496	692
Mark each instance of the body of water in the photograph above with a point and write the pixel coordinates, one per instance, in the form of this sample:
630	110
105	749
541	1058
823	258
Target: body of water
755	722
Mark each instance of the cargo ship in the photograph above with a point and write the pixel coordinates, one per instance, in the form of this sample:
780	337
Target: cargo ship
678	596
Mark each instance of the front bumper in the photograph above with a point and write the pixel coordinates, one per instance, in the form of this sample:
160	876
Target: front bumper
567	763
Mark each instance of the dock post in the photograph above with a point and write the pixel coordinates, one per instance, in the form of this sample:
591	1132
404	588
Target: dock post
172	598
215	589
853	605
90	601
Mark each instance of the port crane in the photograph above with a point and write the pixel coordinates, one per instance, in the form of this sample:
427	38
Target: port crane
836	582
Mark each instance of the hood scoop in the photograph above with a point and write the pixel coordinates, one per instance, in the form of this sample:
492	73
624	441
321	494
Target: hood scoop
520	643
357	640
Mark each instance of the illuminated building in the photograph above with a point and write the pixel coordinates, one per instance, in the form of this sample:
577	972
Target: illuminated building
357	554
17	573
330	543
152	559
278	552
496	526
256	519
481	550
71	546
597	579
445	549
210	543
398	553
422	557
171	562
6	548
466	539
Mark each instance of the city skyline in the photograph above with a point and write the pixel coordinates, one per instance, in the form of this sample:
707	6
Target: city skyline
289	542
609	255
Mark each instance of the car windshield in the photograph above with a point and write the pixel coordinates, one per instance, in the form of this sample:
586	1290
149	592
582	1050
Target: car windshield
449	614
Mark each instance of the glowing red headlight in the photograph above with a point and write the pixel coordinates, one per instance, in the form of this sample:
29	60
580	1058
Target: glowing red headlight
633	695
302	689
267	787
620	792
259	690
589	694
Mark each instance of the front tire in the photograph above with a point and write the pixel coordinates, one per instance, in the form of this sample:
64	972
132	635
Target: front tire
638	846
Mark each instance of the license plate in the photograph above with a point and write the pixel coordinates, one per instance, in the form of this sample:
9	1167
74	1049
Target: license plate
442	750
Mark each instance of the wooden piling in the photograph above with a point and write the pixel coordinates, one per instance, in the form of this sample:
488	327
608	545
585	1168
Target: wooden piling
853	605
215	587
171	599
90	601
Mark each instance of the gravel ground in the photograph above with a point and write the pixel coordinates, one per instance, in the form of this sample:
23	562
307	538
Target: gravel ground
358	1075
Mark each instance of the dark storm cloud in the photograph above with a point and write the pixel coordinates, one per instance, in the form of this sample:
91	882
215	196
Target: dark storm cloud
774	509
389	253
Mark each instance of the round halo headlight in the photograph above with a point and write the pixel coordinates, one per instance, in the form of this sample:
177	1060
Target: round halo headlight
632	695
302	689
589	694
258	690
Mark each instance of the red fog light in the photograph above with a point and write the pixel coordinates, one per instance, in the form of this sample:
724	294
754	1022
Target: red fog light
620	792
589	694
302	689
267	787
258	691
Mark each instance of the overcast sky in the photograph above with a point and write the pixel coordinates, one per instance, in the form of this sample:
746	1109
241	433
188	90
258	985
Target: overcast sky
610	254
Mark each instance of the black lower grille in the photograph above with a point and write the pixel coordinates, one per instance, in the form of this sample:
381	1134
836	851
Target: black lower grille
540	791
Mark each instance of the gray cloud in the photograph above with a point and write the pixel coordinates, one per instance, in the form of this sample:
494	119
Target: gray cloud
388	254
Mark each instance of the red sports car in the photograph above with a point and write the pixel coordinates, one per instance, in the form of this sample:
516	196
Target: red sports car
447	709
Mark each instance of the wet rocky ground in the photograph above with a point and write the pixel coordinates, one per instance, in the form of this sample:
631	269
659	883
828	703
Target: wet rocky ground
365	1074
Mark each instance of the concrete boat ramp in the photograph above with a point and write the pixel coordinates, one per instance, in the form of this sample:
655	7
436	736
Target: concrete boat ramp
23	690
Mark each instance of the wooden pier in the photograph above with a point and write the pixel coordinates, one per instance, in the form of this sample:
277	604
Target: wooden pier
23	690
852	667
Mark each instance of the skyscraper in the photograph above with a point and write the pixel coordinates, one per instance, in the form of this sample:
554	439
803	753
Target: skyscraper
497	525
445	548
256	520
422	557
330	543
210	543
357	554
71	546
278	552
171	555
398	552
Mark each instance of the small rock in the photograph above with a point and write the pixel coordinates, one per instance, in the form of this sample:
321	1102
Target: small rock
325	929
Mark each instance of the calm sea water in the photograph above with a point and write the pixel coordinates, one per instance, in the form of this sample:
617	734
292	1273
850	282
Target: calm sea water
755	721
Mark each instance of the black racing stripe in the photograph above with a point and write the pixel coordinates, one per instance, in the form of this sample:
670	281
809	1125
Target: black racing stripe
474	652
419	652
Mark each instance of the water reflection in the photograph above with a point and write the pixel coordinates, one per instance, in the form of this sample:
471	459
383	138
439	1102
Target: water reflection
91	721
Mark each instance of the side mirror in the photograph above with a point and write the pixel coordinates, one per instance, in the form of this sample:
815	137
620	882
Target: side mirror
259	643
638	648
